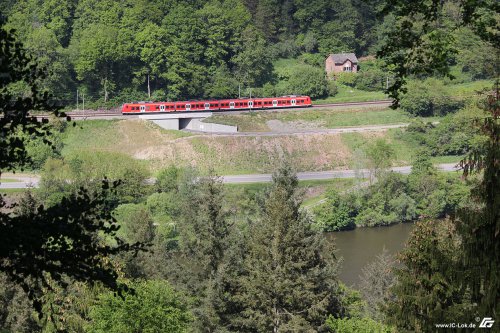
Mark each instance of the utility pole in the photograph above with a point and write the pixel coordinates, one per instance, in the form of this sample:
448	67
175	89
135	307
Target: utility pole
386	82
76	99
83	107
149	89
239	90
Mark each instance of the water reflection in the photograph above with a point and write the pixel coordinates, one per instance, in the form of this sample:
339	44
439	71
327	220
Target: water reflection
360	246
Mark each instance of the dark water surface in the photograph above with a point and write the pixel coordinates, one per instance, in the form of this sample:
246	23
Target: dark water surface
361	245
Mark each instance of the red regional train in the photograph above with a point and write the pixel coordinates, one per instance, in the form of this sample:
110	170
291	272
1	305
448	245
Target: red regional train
218	105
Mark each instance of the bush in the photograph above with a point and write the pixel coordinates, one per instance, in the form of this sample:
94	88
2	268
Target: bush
373	80
454	135
346	79
168	179
336	214
303	80
332	88
88	169
355	325
429	98
316	60
154	307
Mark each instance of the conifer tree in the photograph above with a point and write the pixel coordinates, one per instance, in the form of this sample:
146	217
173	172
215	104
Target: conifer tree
290	284
204	232
376	280
427	292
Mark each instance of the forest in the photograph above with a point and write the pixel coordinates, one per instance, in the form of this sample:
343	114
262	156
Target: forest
119	51
99	247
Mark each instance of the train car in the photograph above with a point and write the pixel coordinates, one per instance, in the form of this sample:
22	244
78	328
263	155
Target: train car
216	105
237	104
147	107
286	102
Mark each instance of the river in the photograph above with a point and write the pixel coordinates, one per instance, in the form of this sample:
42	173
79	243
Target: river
360	246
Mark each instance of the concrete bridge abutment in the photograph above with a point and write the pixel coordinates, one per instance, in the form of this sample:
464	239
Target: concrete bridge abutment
191	121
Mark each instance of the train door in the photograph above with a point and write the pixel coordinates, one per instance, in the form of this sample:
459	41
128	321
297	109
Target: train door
162	108
143	108
250	104
231	105
275	103
207	106
294	102
188	107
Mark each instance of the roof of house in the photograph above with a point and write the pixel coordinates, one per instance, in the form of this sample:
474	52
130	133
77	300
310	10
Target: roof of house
340	58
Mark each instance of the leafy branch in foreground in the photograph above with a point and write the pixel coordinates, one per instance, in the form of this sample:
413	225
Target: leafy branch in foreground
73	239
421	42
70	241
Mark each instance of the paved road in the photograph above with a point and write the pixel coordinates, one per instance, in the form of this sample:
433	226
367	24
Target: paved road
260	178
323	175
22	181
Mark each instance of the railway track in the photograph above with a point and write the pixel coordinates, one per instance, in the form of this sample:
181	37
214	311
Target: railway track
116	113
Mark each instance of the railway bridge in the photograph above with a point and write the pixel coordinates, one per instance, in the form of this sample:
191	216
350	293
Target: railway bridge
191	121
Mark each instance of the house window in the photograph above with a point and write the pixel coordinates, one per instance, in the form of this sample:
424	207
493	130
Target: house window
347	69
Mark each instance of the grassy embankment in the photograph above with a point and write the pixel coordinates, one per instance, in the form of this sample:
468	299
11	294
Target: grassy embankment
314	118
158	148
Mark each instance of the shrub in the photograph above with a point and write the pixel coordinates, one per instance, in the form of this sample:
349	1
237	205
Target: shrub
346	78
355	325
315	60
373	80
303	80
429	98
332	88
336	214
154	307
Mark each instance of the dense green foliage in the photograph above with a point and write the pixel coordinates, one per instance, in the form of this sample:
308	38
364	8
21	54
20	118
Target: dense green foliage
113	51
88	169
43	248
429	98
377	278
394	198
153	308
283	253
451	271
452	136
426	291
355	325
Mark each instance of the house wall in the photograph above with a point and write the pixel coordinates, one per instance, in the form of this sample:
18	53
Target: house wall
331	68
329	65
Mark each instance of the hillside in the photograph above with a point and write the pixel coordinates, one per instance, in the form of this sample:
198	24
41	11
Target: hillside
113	51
